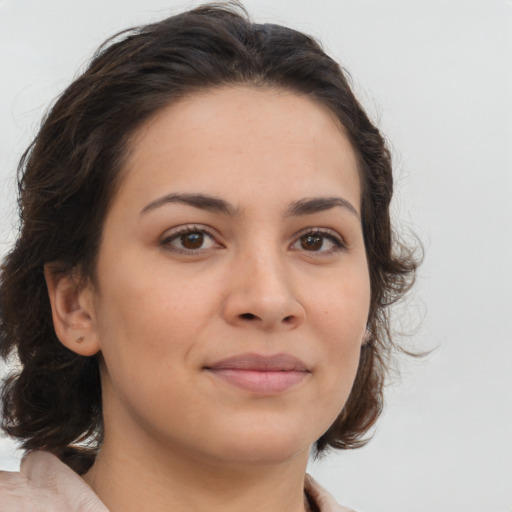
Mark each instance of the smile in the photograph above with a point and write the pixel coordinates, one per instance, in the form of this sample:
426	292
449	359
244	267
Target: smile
261	374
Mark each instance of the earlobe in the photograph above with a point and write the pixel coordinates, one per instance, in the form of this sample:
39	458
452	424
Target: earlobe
72	311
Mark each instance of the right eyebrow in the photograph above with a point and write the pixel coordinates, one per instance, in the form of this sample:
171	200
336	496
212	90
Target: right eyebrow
201	201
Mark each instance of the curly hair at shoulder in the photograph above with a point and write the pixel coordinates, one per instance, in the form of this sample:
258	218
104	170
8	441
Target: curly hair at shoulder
69	176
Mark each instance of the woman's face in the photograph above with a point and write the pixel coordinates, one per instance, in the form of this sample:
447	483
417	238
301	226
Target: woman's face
232	287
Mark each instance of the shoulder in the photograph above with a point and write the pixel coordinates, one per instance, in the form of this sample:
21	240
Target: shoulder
324	501
46	484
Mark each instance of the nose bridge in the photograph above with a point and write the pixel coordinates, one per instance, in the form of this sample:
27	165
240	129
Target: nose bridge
270	279
261	289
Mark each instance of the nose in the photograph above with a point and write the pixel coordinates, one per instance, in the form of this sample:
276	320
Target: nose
262	294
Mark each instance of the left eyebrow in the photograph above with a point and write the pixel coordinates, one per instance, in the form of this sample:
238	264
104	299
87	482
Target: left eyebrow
308	206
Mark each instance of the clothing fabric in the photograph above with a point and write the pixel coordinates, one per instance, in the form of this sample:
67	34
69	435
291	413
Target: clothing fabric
45	484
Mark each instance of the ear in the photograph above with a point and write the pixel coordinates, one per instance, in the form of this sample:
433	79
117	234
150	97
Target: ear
73	312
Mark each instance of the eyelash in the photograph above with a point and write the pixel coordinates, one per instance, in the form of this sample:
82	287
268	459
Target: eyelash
326	234
167	240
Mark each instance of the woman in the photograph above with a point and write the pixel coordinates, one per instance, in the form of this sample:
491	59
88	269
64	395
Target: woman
199	291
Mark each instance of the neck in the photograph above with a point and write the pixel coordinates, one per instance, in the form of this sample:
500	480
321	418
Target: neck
145	478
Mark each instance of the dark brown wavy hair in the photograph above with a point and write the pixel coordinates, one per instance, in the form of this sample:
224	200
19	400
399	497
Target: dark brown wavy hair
69	175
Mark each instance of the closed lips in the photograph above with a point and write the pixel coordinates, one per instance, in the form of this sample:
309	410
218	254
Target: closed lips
262	375
255	362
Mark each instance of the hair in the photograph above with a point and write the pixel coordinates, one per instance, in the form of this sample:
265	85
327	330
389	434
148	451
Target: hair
69	175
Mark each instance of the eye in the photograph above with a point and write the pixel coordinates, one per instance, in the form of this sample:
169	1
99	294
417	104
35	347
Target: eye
189	239
318	240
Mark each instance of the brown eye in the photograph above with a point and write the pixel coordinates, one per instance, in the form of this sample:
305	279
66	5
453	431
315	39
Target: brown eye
192	240
311	242
319	241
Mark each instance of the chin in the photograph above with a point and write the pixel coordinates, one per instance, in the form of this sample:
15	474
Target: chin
264	456
265	448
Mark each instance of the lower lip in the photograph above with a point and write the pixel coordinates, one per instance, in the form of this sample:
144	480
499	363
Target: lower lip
261	382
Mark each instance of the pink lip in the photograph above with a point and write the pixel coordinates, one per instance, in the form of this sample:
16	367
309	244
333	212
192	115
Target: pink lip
261	374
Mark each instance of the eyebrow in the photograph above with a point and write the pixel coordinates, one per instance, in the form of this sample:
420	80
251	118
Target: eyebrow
319	204
201	201
306	206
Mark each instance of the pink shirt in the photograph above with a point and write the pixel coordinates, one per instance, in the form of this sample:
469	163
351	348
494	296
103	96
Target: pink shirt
45	484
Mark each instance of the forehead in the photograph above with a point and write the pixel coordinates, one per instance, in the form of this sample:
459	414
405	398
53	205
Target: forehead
224	140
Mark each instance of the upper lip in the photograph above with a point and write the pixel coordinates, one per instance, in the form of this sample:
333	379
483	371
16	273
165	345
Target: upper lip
257	362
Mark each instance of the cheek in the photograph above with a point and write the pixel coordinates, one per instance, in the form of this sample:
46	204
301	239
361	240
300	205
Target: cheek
150	300
341	310
138	326
340	318
150	325
144	347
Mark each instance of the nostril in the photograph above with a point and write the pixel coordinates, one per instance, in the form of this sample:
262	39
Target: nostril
248	316
288	319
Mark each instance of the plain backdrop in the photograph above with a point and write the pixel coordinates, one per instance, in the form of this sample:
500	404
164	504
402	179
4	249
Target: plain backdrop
436	76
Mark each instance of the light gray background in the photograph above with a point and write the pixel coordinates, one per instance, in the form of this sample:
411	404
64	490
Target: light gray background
437	78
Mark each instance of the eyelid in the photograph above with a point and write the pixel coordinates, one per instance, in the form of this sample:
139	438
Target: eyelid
174	233
329	233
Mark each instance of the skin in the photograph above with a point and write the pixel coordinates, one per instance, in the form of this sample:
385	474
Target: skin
176	436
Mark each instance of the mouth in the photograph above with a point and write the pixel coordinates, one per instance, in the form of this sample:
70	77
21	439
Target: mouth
264	375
